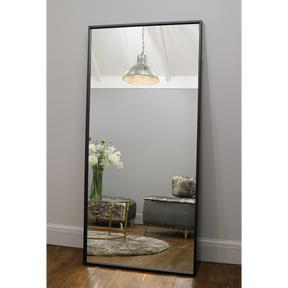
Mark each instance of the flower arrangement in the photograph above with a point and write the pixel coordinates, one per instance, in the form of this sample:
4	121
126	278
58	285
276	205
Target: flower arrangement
100	157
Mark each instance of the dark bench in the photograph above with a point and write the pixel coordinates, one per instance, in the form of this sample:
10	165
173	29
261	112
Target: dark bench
176	212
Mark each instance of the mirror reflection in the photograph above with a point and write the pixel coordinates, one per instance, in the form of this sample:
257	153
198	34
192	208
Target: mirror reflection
142	149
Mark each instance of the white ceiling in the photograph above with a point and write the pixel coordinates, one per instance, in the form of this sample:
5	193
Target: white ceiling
172	52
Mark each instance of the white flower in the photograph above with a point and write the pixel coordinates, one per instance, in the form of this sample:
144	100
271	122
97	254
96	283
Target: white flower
99	147
120	165
104	163
109	150
104	156
93	160
114	158
92	148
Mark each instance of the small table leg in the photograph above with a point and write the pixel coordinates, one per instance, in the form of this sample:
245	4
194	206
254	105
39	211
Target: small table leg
110	219
126	215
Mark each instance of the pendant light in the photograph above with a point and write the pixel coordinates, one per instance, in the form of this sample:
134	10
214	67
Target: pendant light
141	73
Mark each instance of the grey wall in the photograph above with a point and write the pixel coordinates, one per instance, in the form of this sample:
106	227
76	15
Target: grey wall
220	159
156	132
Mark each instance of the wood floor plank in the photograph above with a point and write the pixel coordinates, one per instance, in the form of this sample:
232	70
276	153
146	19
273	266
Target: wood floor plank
82	278
67	270
138	279
122	278
78	275
100	278
54	254
153	280
217	275
60	265
182	282
181	255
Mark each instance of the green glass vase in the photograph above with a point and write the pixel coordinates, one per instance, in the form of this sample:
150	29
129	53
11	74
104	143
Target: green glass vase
96	188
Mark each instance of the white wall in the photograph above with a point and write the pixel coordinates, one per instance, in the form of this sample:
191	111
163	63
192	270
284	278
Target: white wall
219	225
156	132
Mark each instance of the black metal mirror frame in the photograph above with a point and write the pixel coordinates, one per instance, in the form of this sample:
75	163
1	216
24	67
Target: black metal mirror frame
90	28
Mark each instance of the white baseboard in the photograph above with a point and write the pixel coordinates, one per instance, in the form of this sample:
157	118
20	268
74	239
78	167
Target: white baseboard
219	250
208	249
65	235
138	219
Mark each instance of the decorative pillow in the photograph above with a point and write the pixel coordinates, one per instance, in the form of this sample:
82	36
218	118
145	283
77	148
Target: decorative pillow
183	186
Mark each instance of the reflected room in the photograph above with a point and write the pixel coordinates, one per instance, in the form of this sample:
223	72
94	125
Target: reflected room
142	146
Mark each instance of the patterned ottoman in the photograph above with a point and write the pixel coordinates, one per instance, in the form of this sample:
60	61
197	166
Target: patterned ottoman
102	210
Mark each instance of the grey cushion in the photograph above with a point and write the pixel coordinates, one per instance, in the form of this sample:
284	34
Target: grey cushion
183	186
171	199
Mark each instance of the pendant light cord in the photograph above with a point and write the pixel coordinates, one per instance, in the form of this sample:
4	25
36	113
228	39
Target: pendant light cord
143	44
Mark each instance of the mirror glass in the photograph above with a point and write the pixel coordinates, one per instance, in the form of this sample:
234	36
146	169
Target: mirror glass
155	128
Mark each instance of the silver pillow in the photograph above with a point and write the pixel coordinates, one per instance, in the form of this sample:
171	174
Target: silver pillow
183	186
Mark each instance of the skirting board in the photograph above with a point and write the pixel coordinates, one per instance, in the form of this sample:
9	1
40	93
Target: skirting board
65	235
219	250
208	249
138	219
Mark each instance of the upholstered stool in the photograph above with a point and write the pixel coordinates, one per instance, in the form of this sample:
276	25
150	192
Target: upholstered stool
173	212
102	210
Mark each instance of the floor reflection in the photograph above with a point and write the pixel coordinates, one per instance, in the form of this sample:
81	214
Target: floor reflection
178	257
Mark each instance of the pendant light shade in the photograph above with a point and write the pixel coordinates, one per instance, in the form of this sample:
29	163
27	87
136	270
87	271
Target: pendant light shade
141	73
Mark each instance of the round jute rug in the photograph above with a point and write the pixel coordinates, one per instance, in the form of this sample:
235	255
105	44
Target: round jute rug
133	246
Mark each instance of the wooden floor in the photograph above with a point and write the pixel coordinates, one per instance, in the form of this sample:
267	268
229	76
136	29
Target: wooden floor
178	257
65	269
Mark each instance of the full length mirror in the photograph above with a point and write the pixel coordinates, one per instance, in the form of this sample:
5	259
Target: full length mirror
142	146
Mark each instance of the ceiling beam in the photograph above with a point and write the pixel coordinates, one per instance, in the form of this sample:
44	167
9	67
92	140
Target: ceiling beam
129	54
163	53
95	69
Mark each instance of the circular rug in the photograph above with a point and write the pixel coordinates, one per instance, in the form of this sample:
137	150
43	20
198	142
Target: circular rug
133	246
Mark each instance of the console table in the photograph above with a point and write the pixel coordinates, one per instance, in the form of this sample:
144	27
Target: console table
105	205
